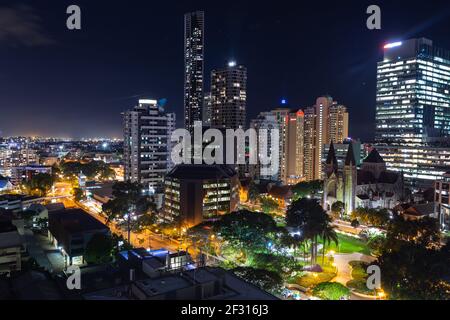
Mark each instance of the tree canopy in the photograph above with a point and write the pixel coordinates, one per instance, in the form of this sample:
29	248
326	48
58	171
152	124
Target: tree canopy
91	169
99	249
267	280
308	216
337	208
307	188
128	198
246	229
413	262
371	217
268	205
40	184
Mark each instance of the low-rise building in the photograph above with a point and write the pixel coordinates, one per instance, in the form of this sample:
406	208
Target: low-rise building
26	173
70	230
415	211
10	248
18	202
197	192
206	283
153	263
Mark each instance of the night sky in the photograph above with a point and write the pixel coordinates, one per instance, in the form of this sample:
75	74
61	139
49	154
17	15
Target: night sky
58	82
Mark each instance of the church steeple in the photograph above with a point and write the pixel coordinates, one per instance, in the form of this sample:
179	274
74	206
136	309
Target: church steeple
350	157
331	164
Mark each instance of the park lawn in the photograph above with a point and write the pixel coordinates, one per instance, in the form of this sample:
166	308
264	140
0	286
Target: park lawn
308	280
349	244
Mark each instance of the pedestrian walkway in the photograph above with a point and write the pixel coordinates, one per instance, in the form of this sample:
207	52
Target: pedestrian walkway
35	250
344	270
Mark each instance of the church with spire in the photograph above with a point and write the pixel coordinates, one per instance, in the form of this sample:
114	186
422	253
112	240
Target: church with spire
370	185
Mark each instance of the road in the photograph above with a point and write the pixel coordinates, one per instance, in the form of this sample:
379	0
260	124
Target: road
138	240
346	227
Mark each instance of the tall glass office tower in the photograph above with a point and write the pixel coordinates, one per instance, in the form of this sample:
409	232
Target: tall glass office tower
193	67
413	99
413	110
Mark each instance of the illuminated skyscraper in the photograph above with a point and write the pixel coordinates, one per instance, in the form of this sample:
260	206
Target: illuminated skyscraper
147	146
229	97
207	110
413	98
326	121
290	135
338	123
193	67
264	124
413	110
295	148
282	117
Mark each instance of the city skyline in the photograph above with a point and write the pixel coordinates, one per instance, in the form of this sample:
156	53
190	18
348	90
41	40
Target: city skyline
69	76
287	152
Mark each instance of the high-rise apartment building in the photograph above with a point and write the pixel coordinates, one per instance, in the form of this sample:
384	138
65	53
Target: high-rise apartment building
324	122
194	23
290	126
229	97
147	146
264	123
338	123
282	117
413	110
295	148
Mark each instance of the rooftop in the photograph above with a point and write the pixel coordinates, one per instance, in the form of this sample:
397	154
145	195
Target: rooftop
373	157
201	172
153	287
75	220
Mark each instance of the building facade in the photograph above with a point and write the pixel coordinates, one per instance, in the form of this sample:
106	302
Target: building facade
324	122
371	186
413	110
264	124
442	200
413	93
10	248
70	230
194	37
421	165
295	148
197	192
207	110
229	97
147	145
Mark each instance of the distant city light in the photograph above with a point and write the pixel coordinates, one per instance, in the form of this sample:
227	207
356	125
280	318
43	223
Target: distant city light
105	145
283	101
393	45
232	64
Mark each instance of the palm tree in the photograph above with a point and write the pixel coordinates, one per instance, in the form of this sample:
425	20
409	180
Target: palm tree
308	216
328	235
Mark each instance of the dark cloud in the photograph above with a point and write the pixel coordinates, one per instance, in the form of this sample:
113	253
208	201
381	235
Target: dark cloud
20	25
